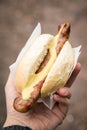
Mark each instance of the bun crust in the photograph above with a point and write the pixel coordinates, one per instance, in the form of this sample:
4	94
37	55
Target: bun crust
60	71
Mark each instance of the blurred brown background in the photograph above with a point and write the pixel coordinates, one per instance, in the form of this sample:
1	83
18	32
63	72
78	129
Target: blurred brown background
17	21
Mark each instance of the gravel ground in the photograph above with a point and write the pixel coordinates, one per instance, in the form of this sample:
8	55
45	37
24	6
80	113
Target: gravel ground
17	21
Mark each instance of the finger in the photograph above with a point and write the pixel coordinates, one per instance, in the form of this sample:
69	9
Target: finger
74	75
64	92
61	100
61	106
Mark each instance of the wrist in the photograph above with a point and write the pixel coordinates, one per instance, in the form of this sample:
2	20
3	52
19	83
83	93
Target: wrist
18	119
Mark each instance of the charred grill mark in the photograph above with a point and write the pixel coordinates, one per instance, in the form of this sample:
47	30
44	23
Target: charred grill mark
64	31
44	62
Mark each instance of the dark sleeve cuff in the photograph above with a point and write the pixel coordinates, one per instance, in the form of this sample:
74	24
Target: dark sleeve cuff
16	127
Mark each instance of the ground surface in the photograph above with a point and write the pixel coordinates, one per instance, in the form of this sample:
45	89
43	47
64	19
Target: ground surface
17	21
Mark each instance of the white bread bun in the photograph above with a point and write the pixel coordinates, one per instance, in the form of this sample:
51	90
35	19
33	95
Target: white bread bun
30	61
60	71
56	72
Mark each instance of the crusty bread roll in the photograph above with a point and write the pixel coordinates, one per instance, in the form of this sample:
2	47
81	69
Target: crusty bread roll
30	61
47	63
60	71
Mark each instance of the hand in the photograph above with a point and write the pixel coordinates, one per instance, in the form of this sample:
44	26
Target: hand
40	117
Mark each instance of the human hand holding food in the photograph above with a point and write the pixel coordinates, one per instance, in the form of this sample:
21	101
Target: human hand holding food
39	117
44	68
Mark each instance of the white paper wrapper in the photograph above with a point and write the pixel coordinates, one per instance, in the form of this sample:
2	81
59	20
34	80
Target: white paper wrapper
48	101
34	35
